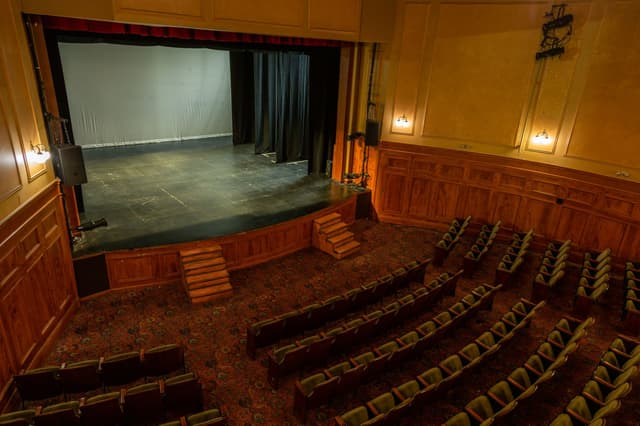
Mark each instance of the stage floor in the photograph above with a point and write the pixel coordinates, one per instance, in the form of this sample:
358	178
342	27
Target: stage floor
168	193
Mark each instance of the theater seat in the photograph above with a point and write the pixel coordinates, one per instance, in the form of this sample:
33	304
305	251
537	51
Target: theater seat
38	383
612	379
62	414
382	404
162	360
205	418
80	376
355	417
406	390
601	395
565	420
18	418
183	394
580	410
102	410
431	377
143	404
625	346
121	369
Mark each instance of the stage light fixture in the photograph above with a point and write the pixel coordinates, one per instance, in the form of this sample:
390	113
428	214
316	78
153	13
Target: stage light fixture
556	32
39	153
402	122
560	22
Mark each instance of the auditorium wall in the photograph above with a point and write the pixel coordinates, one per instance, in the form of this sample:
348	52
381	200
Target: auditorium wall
464	75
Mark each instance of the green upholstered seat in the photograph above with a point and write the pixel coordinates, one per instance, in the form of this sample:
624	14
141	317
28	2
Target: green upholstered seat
579	408
375	314
520	377
502	392
460	419
500	329
103	397
282	351
469	299
620	362
203	417
354	323
356	417
334	331
432	376
312	381
420	291
410	338
624	347
383	403
365	358
427	327
407	299
409	389
486	339
339	369
602	374
15	416
388	347
598	257
392	306
458	308
481	405
451	365
562	420
471	351
309	340
603	394
173	423
442	318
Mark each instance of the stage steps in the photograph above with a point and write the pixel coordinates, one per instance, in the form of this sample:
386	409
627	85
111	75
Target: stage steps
204	274
330	234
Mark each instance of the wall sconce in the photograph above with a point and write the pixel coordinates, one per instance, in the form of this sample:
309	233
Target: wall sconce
39	154
542	138
402	122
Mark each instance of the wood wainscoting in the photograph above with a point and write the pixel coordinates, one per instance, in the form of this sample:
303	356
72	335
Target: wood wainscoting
423	186
161	265
37	285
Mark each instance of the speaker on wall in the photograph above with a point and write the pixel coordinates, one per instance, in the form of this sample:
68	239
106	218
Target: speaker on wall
68	164
372	133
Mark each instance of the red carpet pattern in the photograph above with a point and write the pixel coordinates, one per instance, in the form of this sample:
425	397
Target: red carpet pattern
214	333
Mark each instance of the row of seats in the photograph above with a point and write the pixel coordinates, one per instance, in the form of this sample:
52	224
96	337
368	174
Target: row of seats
271	330
345	376
609	383
315	349
503	397
204	418
389	407
481	246
142	404
552	269
631	309
513	258
114	370
450	239
594	281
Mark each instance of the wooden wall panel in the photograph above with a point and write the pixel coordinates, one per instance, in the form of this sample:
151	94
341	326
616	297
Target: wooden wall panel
160	265
323	16
438	184
37	284
9	176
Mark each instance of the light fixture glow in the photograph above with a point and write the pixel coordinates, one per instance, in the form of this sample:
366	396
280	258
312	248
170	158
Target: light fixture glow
402	121
542	138
38	154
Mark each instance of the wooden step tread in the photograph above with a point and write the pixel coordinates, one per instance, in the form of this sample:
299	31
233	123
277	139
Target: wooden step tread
341	238
202	250
211	297
205	269
206	277
206	291
202	284
331	229
201	256
203	263
346	247
327	218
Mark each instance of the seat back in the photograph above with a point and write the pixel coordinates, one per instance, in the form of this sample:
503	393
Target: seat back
121	369
183	394
39	383
163	360
81	376
102	410
143	403
63	414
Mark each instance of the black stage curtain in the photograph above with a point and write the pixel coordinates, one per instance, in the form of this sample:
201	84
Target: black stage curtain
242	114
281	91
324	78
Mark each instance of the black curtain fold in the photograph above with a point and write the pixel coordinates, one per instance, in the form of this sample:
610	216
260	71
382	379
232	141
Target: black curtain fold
285	102
242	115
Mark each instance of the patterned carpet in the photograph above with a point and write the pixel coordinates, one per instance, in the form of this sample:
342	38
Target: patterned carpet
214	334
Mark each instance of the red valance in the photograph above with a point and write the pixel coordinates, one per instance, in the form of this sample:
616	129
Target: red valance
101	27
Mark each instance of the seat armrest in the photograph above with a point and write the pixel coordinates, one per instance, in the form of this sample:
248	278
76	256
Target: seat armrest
123	393
593	399
496	398
533	370
475	415
397	394
575	416
372	409
516	384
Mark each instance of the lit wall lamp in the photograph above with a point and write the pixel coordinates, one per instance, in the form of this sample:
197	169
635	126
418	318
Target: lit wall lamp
39	153
542	138
402	122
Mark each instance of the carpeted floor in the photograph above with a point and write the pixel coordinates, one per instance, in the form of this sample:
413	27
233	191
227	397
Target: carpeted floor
214	334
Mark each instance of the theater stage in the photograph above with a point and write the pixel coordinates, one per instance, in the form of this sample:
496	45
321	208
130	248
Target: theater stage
174	192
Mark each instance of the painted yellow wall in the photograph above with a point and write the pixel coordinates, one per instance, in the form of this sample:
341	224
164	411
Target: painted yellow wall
21	121
464	74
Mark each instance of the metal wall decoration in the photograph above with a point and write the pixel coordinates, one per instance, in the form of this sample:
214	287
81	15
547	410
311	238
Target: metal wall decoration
556	32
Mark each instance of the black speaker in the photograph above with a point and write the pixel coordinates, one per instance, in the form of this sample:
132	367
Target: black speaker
372	133
68	164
